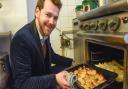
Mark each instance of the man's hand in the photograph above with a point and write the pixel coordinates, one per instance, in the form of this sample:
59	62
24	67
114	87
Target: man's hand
61	79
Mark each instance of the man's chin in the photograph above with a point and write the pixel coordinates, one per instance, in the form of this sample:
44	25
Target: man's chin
47	34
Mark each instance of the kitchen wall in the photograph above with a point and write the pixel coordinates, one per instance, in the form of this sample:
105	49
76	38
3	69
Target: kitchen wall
65	24
13	15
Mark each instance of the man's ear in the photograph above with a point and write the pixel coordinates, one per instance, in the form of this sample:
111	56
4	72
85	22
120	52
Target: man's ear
37	11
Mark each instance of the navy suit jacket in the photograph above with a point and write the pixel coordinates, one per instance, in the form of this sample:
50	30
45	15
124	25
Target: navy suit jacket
29	68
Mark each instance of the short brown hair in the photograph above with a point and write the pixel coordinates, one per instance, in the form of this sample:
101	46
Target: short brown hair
40	3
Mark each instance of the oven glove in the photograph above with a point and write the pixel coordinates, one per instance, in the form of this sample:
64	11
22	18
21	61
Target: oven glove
72	81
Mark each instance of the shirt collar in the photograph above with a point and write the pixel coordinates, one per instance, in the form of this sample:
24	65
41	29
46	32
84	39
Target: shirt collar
42	38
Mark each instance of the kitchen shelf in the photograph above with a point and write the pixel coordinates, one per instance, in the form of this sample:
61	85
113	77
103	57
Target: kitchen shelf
5	34
120	6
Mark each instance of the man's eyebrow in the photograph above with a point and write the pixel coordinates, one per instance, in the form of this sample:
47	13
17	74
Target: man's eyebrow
49	12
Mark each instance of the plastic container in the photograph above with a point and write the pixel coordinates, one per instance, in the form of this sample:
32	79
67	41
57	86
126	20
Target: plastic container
79	10
95	4
89	4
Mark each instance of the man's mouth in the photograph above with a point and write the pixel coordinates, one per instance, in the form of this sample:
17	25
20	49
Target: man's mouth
50	27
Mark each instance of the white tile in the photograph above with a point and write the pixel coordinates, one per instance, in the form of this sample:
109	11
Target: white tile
70	21
12	7
64	22
20	8
64	2
78	2
14	15
71	2
66	28
55	40
71	10
64	11
58	23
55	34
69	53
7	8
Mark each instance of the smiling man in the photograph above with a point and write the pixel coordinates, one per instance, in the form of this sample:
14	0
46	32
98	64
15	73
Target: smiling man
31	54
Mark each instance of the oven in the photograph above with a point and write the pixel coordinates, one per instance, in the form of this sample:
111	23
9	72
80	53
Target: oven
102	38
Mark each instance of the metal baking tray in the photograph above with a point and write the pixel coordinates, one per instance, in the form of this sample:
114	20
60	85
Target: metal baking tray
109	76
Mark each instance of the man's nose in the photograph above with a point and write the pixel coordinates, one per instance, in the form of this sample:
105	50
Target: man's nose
52	21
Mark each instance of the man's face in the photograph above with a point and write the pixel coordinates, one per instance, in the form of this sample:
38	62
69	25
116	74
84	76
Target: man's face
47	17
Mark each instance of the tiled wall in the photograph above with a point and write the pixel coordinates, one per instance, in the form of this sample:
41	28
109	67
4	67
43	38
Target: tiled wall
65	24
13	15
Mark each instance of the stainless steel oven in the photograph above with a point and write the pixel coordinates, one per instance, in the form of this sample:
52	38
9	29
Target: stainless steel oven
102	36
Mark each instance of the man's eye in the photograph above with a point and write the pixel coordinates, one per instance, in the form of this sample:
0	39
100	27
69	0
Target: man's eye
49	15
56	18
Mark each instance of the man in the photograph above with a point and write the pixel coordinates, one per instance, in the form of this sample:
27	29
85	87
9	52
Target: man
31	58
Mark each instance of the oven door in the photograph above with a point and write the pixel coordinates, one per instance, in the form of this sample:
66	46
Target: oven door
100	48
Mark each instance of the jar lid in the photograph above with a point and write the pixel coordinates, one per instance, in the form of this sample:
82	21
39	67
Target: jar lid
79	8
85	1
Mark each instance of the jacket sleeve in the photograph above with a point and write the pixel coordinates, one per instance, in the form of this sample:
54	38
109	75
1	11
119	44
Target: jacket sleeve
21	68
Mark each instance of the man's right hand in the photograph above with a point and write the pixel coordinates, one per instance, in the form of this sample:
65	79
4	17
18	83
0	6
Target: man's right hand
61	79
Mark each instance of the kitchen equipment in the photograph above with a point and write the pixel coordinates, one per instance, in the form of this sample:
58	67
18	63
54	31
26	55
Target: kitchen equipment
107	2
102	36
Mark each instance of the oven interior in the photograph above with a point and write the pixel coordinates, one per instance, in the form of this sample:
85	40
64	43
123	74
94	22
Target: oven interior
101	53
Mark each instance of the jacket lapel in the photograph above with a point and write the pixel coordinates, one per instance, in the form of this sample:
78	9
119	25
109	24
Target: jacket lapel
36	38
38	43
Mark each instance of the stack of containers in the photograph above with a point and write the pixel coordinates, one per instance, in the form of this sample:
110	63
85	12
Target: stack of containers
79	10
86	5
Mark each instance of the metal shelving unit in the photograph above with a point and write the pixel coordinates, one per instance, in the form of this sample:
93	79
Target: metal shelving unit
5	34
5	40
